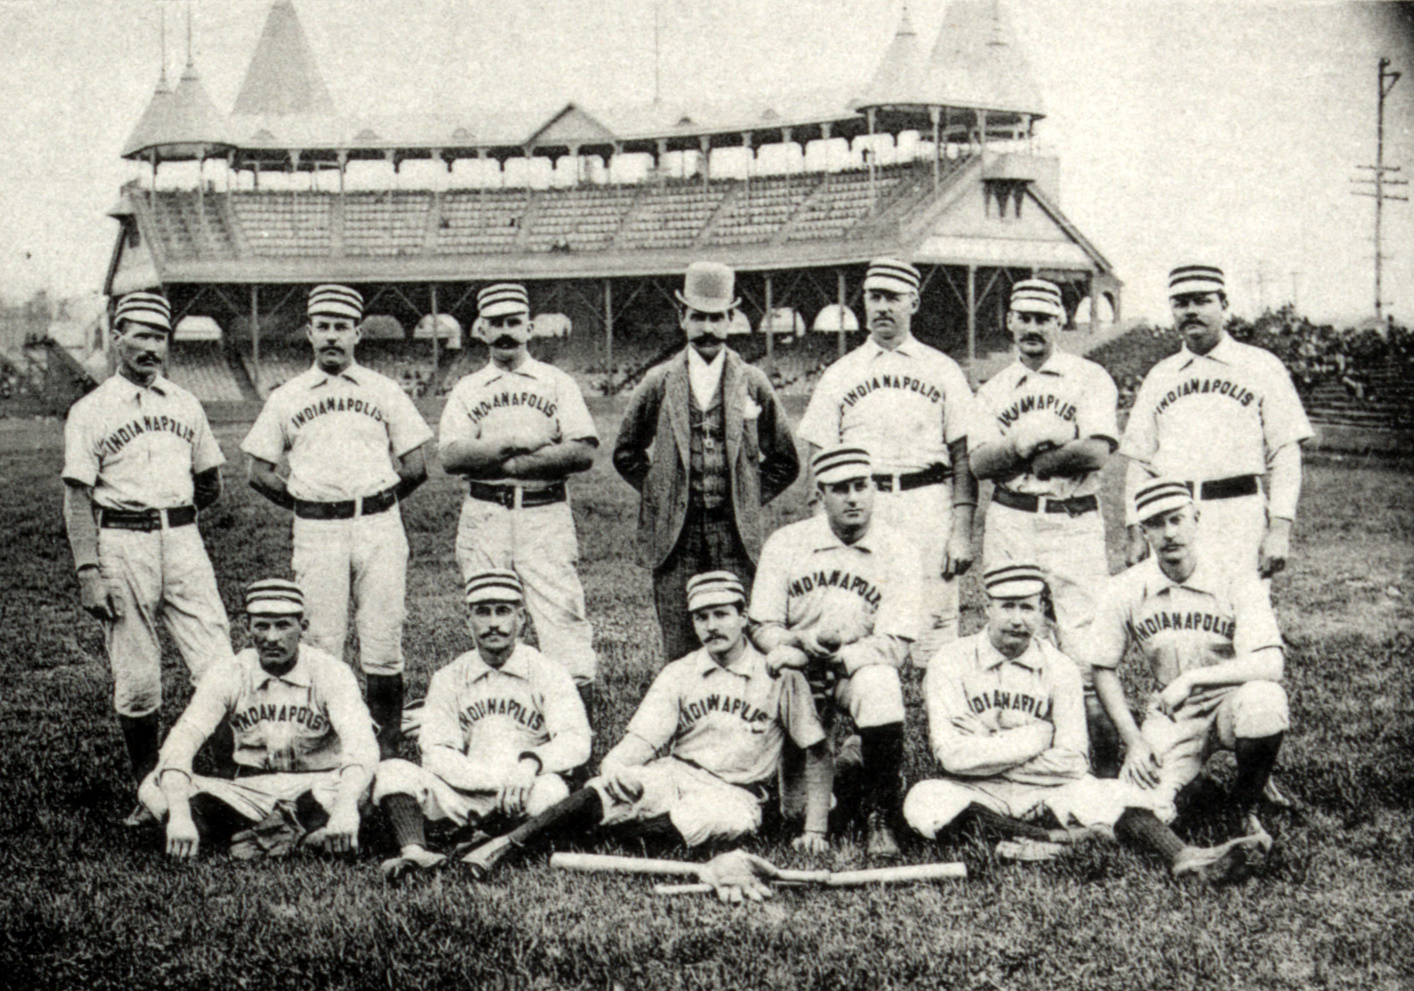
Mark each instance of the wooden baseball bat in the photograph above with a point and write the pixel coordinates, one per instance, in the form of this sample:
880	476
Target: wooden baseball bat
609	864
845	879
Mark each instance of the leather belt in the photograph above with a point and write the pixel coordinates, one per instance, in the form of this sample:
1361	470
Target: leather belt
1031	503
505	495
146	520
1227	488
379	502
933	475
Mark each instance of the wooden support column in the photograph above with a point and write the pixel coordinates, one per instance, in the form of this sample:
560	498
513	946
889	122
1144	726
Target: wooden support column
933	114
767	323
1094	306
972	325
255	338
609	328
839	280
436	344
869	156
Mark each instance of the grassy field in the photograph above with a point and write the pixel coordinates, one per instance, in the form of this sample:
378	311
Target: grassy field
87	905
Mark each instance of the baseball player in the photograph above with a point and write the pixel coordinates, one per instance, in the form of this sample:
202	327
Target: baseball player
301	729
721	448
1212	642
354	445
140	461
1217	415
516	429
500	727
910	406
1006	721
836	596
704	744
1045	427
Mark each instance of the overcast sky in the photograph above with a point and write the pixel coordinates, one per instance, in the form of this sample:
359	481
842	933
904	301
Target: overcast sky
1231	129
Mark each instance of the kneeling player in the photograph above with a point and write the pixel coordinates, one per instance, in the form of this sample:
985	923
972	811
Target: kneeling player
500	725
718	717
301	729
1212	642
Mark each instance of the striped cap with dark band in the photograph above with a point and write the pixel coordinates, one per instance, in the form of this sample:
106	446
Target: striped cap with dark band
1014	581
1037	296
146	308
502	299
331	300
1196	278
714	588
274	597
893	275
1160	496
499	585
840	464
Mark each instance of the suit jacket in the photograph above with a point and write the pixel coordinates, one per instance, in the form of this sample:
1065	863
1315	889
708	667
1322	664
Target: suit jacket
761	455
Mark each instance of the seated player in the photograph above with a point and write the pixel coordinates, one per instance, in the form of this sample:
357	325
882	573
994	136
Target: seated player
500	726
1006	721
704	743
301	729
836	596
1213	645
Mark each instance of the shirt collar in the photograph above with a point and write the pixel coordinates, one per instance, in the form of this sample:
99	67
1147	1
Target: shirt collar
320	377
747	665
1055	365
517	665
1222	352
1203	579
908	347
991	658
826	538
530	368
161	385
297	675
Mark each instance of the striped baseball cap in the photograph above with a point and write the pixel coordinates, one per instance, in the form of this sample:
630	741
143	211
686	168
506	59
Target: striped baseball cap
1163	495
274	597
840	464
893	275
331	300
146	308
1037	296
1014	580
502	299
714	588
1196	278
495	585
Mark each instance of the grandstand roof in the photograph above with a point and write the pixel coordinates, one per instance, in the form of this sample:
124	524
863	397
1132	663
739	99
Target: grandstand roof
901	73
977	63
183	123
283	77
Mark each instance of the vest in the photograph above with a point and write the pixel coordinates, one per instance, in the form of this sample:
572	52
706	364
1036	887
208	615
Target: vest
708	484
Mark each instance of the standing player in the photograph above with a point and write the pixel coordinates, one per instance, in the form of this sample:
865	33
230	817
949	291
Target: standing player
139	462
722	449
836	596
355	450
1213	645
501	726
1216	416
301	729
704	744
909	405
1045	427
517	429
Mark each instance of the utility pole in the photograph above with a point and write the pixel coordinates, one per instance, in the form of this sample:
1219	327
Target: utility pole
1386	80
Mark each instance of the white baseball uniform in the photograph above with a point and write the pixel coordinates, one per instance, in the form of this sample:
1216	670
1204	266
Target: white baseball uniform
1067	398
809	579
138	449
478	722
720	731
905	406
1010	735
342	433
1214	616
534	405
294	733
1218	418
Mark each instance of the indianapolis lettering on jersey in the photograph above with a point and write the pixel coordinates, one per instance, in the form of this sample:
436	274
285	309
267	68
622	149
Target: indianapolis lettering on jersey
312	719
1145	628
905	382
822	579
119	438
506	399
1042	402
1202	387
1016	701
691	712
483	708
336	404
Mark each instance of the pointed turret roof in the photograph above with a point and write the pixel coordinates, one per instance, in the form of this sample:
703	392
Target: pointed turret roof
283	77
976	61
899	79
154	121
180	124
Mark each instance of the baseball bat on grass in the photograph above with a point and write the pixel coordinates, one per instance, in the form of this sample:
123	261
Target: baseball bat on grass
602	863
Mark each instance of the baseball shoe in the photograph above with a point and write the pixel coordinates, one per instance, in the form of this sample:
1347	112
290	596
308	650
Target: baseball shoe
1217	865
1029	850
881	845
139	817
410	860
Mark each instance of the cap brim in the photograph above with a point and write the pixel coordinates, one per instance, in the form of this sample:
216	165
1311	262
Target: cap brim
272	607
706	600
1031	306
706	305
